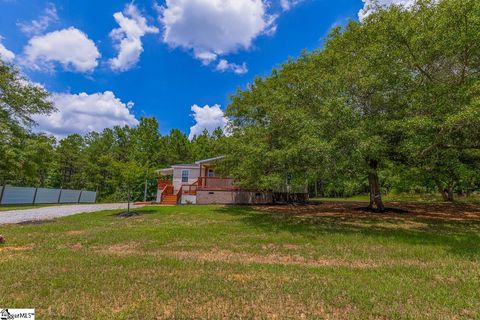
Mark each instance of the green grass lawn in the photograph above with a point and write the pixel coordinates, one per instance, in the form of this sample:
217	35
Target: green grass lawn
328	261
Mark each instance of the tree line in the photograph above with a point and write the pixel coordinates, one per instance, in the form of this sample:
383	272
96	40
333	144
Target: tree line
388	103
99	161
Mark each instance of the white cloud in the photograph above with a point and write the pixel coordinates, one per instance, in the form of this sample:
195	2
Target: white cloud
289	4
5	54
224	65
83	113
214	27
133	26
206	57
69	47
370	6
209	118
41	24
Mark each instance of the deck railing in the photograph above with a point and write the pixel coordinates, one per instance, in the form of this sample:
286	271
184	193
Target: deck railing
216	183
203	183
190	189
167	190
163	183
179	194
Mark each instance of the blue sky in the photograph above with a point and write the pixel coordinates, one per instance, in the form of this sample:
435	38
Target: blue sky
156	58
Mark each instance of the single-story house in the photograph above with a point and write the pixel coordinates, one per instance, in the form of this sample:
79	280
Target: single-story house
198	183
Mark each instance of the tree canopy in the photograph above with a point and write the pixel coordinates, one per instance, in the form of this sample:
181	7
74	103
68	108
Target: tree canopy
395	95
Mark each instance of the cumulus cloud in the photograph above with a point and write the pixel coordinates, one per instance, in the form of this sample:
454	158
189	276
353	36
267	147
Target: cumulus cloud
70	47
224	66
133	26
41	24
5	54
83	113
370	6
211	28
207	117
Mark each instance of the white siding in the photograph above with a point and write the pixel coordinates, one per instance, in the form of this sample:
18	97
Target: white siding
193	175
188	199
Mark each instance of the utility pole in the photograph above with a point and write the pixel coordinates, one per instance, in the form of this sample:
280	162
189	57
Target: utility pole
145	192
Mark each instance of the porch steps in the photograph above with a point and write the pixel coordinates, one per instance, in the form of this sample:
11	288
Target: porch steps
169	199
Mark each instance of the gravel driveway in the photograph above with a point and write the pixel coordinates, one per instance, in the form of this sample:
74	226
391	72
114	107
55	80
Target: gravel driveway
16	216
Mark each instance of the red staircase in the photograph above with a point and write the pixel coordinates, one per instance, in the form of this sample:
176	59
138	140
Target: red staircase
170	199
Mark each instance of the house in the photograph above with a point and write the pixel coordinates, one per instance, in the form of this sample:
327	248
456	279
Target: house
198	183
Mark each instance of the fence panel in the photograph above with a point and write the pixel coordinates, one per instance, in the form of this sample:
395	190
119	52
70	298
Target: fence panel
16	195
45	195
69	196
20	195
88	197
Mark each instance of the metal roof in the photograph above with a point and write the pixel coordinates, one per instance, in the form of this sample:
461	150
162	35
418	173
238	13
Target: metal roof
210	159
185	165
193	165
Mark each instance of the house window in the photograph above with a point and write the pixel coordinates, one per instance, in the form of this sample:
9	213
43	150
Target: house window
211	173
185	175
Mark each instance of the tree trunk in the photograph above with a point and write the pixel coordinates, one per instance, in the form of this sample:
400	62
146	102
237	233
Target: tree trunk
128	205
376	202
450	193
447	193
41	177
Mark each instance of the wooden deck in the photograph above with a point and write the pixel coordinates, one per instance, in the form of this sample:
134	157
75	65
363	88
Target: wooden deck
215	183
202	184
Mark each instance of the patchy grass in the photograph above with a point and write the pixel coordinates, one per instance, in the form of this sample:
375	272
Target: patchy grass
329	261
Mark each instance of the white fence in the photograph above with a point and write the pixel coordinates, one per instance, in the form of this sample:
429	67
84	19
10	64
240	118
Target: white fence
19	195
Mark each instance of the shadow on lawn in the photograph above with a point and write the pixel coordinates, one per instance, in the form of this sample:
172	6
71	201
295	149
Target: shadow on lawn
460	236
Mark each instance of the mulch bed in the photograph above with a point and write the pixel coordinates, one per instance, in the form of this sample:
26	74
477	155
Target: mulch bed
443	211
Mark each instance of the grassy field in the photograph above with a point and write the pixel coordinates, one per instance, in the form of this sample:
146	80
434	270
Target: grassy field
328	261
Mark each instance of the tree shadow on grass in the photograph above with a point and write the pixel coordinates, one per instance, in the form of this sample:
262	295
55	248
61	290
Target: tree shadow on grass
126	214
142	211
459	236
